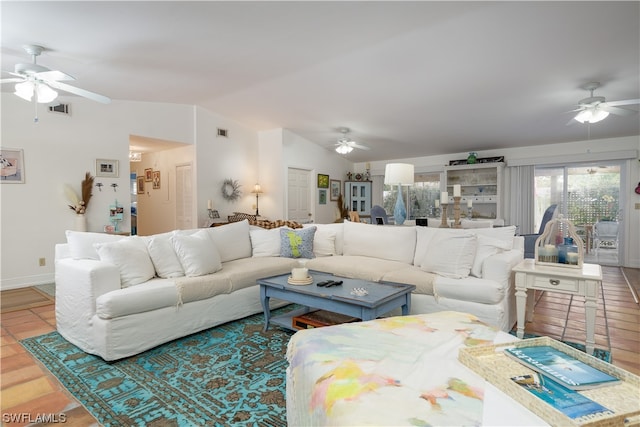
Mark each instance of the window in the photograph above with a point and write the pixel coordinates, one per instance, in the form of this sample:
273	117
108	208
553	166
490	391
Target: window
421	196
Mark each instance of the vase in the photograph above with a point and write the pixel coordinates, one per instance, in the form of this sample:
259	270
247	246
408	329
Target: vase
472	158
399	212
81	223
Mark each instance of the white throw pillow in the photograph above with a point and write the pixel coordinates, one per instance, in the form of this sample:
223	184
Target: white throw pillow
232	240
197	253
324	242
505	234
486	247
131	257
81	243
265	242
450	255
164	257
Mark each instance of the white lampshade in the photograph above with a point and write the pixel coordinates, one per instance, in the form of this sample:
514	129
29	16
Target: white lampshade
257	189
344	149
44	94
398	173
591	115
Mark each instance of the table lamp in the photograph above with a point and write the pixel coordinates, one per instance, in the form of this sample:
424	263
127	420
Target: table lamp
399	174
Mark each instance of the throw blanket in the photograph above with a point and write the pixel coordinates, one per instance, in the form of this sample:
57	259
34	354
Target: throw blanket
392	371
201	287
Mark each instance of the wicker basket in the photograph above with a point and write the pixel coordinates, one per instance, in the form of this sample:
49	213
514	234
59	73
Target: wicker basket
493	365
550	248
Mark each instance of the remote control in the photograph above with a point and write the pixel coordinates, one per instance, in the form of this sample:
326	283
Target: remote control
335	283
324	283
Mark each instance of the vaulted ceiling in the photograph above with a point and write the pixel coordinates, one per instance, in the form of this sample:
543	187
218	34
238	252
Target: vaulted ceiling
408	78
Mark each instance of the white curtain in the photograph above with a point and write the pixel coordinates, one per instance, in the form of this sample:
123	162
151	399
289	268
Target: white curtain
521	198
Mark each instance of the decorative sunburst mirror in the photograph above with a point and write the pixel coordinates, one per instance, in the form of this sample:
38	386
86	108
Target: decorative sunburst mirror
231	190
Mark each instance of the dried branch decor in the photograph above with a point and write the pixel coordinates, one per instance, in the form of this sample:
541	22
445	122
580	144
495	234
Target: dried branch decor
80	203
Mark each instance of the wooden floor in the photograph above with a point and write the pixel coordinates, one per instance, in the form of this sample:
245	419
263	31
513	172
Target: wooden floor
29	390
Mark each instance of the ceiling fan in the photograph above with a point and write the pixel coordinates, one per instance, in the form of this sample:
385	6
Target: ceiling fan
33	79
595	108
346	145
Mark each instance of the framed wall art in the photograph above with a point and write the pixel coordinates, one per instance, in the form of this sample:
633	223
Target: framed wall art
323	181
140	184
11	166
334	189
148	175
107	168
156	180
322	197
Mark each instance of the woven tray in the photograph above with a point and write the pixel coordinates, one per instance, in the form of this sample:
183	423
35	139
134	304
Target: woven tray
494	366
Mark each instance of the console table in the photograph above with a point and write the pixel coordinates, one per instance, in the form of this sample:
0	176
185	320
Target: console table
585	282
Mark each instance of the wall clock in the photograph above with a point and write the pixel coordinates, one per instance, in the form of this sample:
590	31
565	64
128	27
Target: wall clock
231	190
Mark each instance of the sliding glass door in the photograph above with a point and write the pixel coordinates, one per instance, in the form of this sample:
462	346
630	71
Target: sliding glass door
589	196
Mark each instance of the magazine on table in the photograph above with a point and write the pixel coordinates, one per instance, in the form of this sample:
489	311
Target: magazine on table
561	367
569	402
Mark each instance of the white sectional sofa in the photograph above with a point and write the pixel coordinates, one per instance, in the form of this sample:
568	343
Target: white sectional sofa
118	296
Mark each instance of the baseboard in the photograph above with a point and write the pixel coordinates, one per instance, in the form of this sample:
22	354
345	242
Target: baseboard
25	282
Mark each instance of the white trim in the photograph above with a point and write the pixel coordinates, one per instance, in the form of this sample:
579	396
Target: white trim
575	158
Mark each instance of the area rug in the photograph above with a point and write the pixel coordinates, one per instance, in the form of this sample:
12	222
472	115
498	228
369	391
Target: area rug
597	352
232	374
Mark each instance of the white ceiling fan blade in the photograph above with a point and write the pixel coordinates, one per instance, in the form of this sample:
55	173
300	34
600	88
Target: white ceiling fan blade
53	76
617	111
12	80
81	92
623	102
356	145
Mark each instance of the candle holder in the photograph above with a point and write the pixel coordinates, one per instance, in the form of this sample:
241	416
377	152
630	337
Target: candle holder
456	212
443	208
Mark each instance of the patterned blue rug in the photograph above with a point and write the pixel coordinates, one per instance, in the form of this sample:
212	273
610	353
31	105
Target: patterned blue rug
233	374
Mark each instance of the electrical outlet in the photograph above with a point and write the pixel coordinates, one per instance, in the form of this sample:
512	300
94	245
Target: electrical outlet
638	206
42	262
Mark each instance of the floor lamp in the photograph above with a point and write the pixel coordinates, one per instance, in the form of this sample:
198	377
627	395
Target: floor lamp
399	174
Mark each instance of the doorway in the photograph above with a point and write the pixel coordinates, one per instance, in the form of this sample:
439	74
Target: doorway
589	196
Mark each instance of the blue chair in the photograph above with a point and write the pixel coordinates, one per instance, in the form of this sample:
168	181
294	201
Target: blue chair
378	212
530	239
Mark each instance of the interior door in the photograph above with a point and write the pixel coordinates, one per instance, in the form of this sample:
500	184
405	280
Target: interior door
184	197
298	195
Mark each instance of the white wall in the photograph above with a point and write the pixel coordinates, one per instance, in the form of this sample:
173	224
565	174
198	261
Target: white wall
59	150
303	154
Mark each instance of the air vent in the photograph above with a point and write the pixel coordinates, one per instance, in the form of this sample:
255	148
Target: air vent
223	132
60	109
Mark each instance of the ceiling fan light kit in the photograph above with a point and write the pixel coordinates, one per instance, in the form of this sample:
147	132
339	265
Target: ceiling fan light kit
595	108
44	94
345	145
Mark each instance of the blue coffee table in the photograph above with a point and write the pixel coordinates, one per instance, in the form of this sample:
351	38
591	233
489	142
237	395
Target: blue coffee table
382	297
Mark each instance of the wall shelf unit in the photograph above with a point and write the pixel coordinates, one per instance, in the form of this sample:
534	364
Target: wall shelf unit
481	183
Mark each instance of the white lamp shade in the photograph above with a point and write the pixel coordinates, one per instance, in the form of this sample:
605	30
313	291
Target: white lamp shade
591	115
344	149
399	173
44	94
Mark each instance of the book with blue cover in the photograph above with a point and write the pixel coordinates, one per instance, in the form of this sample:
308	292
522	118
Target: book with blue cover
561	367
569	402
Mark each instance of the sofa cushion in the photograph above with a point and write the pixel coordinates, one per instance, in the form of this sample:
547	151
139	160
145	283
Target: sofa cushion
243	273
470	289
486	246
450	254
151	295
232	240
265	242
390	243
359	267
81	243
197	253
324	242
297	243
423	238
505	234
412	275
163	256
201	287
131	257
336	227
